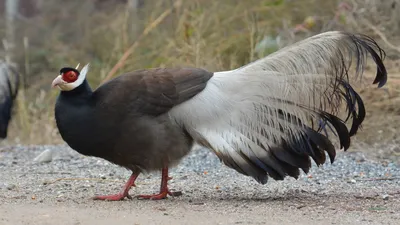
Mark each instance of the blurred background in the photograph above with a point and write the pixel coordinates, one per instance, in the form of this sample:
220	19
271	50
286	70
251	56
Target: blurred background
117	36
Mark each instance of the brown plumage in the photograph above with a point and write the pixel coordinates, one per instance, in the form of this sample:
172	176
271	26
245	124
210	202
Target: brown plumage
148	95
266	119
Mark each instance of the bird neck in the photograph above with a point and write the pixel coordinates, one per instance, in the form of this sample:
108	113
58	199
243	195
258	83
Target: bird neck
82	90
74	118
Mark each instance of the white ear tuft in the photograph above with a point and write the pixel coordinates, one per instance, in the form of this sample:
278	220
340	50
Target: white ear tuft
82	75
84	70
77	66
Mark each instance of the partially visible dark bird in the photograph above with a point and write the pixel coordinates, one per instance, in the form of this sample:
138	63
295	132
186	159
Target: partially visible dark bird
265	119
9	84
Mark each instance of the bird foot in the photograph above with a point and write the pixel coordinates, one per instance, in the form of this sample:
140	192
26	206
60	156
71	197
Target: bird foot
164	191
116	197
124	192
161	195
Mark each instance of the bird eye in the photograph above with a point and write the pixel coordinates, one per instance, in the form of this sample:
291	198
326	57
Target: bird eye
70	76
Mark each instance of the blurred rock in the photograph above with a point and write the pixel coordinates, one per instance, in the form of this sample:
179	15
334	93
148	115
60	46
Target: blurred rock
10	186
44	157
385	197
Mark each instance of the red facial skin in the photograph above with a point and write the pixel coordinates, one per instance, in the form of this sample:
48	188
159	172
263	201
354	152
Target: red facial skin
70	76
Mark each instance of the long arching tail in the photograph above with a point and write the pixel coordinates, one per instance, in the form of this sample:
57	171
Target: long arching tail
266	118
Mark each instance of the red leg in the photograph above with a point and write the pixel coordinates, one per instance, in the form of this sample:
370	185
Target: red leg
163	189
124	192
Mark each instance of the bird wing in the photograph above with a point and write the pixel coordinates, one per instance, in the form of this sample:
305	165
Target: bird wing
9	81
9	84
270	116
154	91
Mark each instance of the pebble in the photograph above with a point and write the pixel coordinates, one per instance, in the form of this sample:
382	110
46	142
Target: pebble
10	186
44	157
385	197
352	181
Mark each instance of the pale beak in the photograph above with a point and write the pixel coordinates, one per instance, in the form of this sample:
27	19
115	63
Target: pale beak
57	81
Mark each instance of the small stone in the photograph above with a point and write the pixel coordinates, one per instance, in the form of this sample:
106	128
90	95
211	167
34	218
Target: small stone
176	193
10	186
385	197
359	158
183	177
352	181
44	157
198	203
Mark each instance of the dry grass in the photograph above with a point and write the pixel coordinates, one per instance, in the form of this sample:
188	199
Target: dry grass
216	35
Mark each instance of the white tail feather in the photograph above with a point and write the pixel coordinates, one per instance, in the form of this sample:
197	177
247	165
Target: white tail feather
250	115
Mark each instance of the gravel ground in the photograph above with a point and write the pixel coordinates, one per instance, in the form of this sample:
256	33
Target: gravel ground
58	190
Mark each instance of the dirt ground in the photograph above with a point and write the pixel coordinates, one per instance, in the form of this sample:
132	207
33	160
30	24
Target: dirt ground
294	210
353	190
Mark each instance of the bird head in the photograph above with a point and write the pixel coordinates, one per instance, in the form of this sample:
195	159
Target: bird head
70	78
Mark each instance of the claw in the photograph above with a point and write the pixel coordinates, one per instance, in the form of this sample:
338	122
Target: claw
124	193
161	195
117	197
